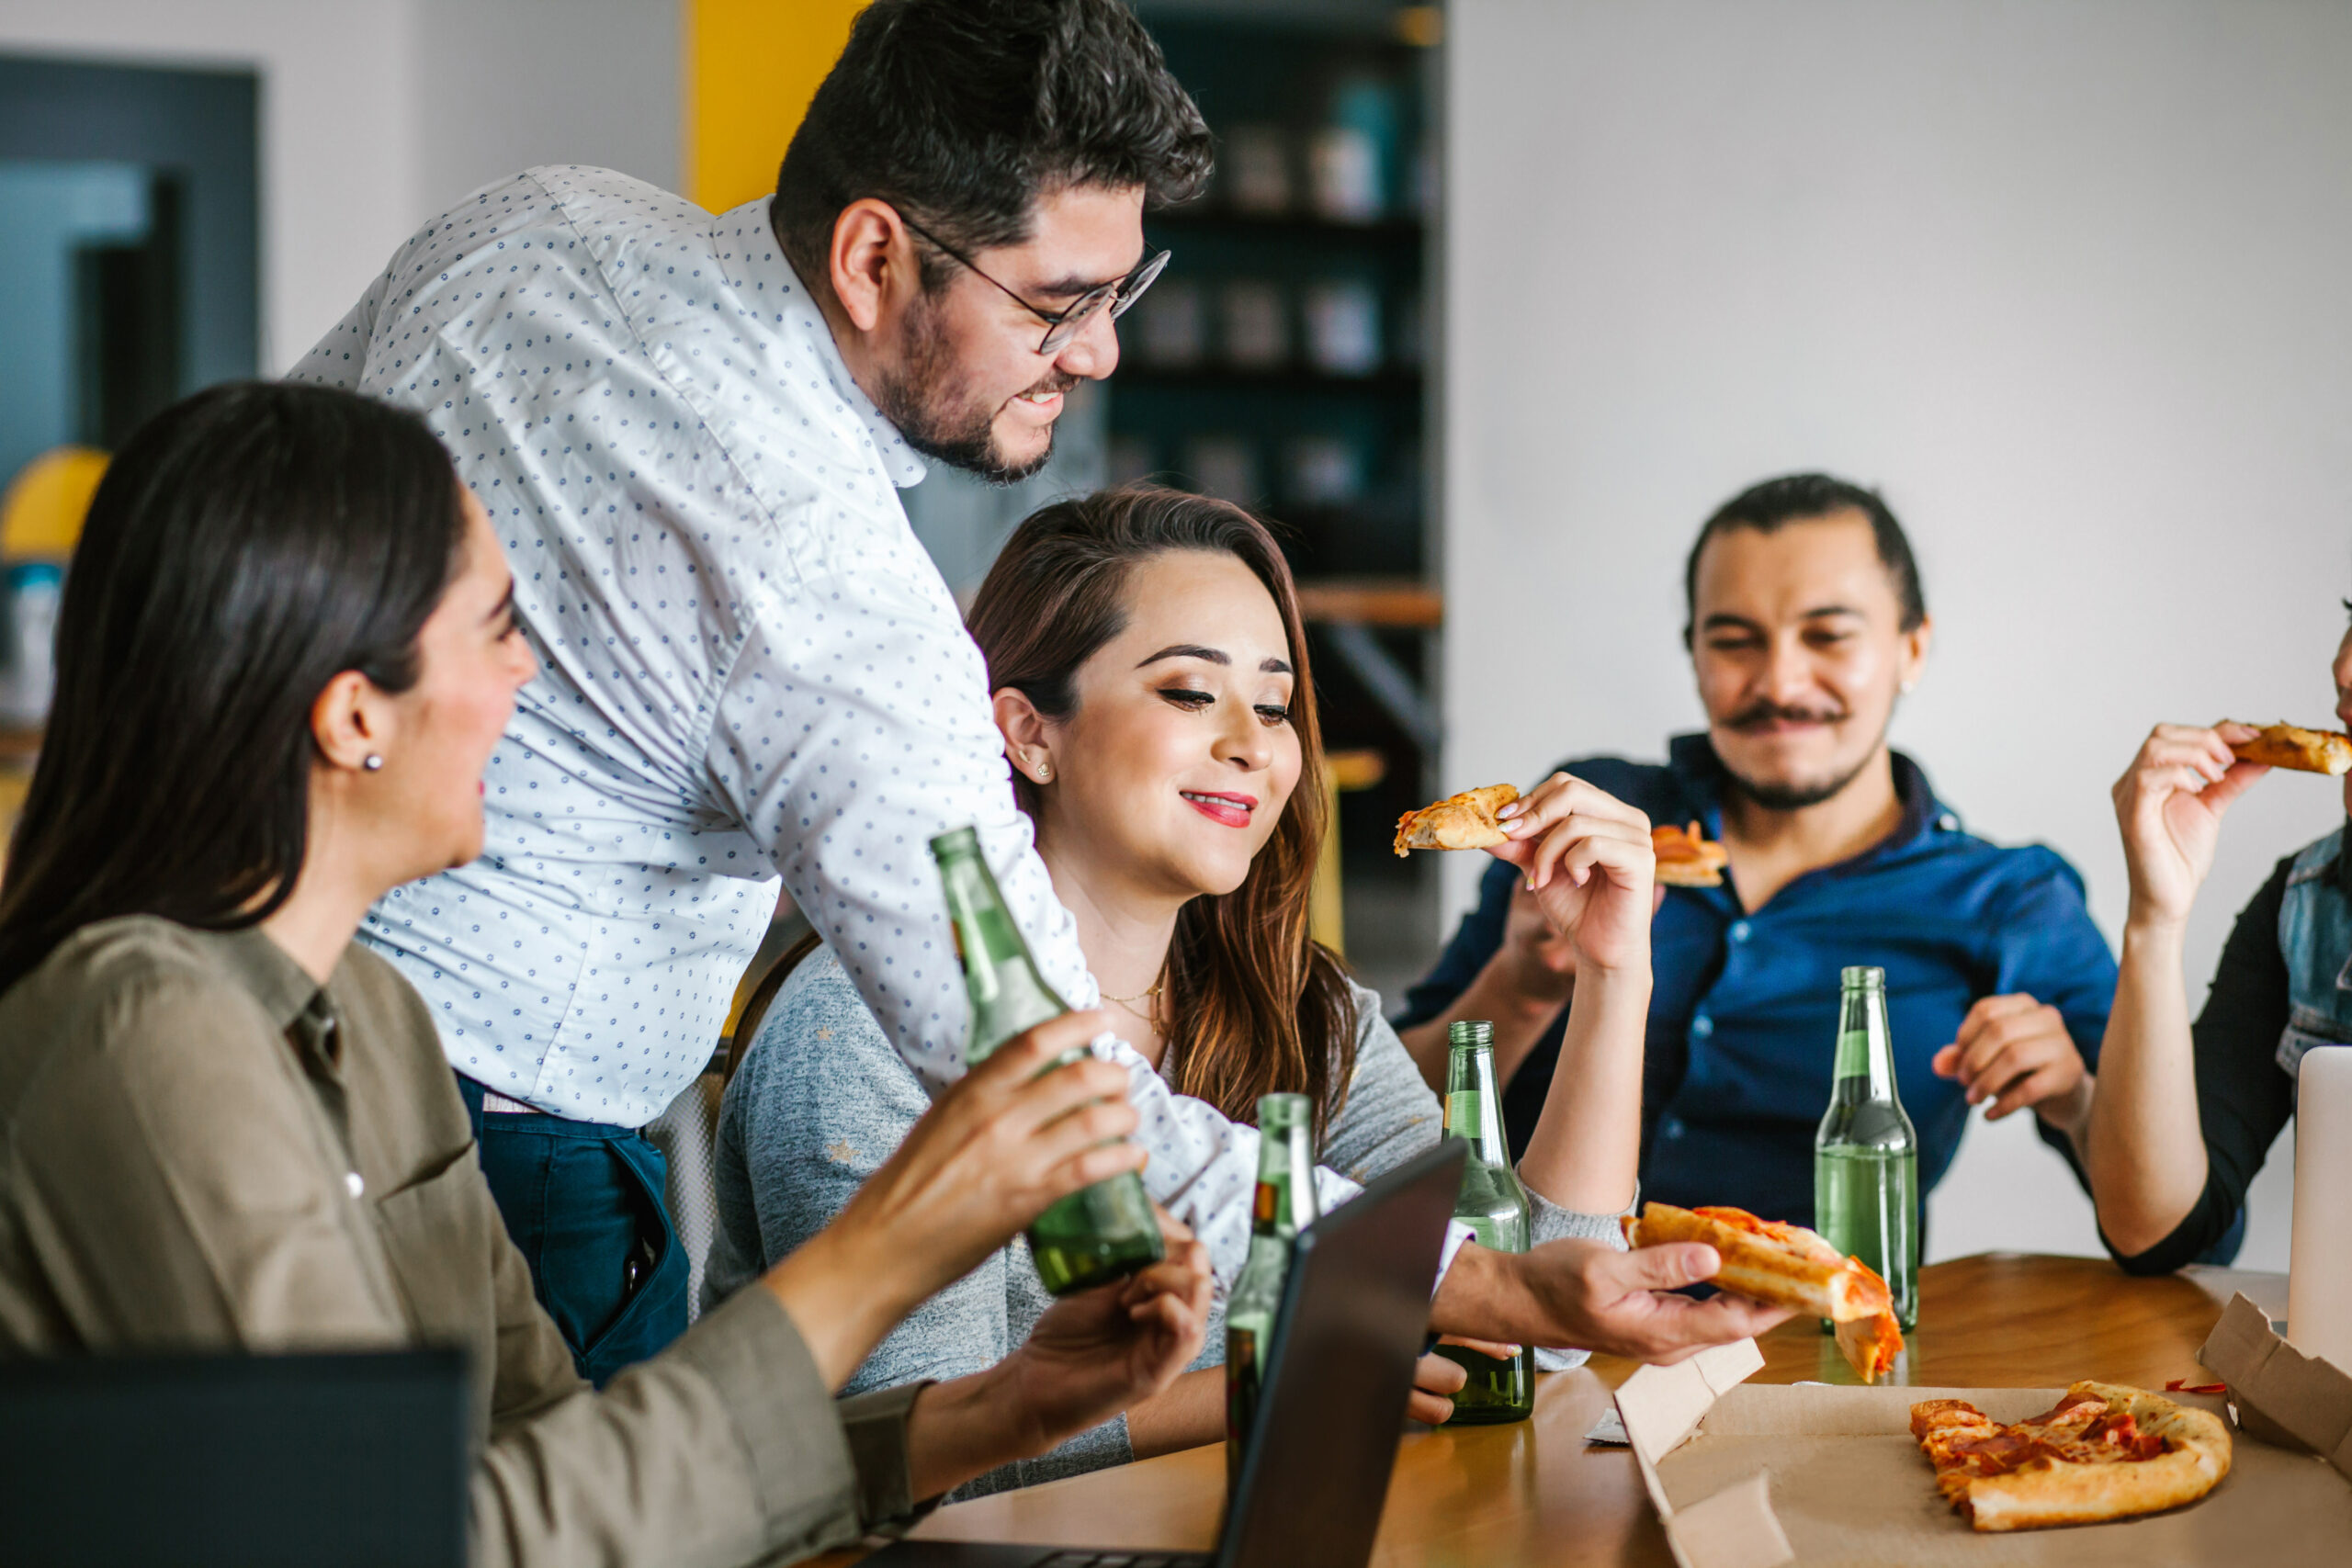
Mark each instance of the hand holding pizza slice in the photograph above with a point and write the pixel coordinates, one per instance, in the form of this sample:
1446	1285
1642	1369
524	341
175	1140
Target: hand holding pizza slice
1786	1265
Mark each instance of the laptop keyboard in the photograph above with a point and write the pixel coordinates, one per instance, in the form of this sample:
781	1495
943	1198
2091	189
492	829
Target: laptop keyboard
1122	1560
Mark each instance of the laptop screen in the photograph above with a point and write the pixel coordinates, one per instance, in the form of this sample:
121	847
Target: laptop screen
260	1461
1355	1310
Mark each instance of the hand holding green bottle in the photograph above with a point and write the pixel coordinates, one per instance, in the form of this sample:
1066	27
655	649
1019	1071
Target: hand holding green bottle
1019	1131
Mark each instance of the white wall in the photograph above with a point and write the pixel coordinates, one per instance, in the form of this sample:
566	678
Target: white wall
2066	278
376	114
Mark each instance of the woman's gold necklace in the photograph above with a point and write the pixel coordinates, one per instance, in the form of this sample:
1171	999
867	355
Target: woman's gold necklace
1146	997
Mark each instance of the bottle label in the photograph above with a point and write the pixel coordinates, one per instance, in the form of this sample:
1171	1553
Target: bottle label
1262	1210
1461	1115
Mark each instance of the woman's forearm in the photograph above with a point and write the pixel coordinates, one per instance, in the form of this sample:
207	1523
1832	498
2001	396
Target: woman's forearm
1586	1150
1186	1414
966	1426
2145	1145
843	1293
1519	1020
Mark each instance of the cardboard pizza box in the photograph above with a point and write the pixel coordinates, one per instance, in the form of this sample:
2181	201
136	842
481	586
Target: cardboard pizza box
1756	1475
2282	1395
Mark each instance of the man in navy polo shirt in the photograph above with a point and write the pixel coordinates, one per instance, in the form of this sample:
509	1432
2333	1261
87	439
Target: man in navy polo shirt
1806	623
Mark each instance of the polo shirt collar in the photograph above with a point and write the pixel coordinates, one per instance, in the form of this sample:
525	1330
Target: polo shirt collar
1694	760
803	324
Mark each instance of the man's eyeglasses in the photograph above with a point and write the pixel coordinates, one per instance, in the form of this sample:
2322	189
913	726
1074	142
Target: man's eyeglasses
1063	325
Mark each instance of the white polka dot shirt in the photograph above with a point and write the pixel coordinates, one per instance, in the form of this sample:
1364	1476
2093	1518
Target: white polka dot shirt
748	667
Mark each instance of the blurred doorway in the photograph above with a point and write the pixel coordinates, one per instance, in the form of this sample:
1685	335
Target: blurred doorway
128	218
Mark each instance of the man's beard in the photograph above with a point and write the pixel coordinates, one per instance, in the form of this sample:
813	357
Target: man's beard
1775	796
941	425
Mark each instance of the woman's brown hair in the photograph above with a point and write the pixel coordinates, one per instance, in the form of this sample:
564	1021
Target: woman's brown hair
1254	1004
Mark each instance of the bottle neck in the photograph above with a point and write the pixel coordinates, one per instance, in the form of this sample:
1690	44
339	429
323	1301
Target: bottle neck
1865	1066
1007	993
1286	1199
1473	1105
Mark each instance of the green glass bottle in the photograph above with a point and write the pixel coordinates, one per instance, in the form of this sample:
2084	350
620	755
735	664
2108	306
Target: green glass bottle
1099	1233
1284	1204
1494	1205
1866	1157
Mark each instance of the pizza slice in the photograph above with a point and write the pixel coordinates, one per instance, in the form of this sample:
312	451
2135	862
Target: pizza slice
1870	1343
2305	750
2105	1452
1785	1265
1687	857
1464	821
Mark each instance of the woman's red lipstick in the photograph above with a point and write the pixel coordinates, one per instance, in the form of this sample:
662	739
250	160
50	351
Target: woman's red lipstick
1233	810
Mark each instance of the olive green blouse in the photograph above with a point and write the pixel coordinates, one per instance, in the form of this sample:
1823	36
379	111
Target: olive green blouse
201	1148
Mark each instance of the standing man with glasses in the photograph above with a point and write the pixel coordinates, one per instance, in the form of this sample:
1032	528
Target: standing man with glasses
690	431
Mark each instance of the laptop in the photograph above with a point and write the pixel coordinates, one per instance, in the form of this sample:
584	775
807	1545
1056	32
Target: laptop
1354	1318
256	1461
2319	1268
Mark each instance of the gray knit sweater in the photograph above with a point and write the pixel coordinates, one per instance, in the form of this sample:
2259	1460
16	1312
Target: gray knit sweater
822	1100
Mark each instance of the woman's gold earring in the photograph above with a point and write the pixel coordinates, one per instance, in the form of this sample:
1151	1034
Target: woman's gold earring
1045	773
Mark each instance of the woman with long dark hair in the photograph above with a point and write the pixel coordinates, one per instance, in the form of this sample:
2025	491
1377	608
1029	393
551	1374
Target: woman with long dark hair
287	648
1151	679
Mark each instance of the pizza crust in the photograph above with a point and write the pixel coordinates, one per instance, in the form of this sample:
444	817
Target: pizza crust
1780	1265
2305	750
1870	1343
1464	821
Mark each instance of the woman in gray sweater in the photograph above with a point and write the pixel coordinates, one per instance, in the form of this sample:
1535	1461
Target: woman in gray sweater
1152	684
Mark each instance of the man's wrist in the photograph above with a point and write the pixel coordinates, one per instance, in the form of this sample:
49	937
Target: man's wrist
1532	991
1483	1296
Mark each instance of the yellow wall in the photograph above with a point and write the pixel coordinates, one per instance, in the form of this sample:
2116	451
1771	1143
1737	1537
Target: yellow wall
751	66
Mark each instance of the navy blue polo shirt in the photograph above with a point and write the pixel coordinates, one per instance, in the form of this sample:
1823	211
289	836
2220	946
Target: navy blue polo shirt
1743	1023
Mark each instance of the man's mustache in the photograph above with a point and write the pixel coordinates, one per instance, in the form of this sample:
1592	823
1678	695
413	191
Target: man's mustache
1758	714
1059	381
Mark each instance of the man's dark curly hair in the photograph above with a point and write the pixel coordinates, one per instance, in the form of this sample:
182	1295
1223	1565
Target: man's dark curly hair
962	113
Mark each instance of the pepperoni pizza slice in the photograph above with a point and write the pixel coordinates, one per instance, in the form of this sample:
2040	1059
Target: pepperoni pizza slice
2105	1452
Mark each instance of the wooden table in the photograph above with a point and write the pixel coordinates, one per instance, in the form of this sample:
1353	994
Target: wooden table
1534	1493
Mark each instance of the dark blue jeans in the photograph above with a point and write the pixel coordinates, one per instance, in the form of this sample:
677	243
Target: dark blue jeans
584	1203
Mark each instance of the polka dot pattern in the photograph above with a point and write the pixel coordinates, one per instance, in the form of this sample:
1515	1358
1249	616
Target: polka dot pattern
749	667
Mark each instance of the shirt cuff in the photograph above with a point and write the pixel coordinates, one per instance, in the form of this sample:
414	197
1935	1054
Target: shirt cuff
1552	1221
876	1424
1456	1233
803	1469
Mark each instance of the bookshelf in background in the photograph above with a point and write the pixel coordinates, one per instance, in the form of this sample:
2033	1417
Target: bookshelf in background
1280	361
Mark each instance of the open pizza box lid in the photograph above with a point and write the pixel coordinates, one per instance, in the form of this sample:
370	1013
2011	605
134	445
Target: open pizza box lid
1749	1475
2282	1395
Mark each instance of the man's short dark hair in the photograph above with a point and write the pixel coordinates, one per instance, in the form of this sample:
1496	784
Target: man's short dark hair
961	113
1802	498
